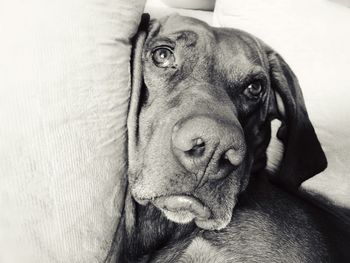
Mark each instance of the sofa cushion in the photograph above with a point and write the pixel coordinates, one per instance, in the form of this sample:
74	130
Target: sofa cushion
64	85
159	8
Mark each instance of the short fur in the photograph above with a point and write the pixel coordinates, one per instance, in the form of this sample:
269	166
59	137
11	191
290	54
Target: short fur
251	219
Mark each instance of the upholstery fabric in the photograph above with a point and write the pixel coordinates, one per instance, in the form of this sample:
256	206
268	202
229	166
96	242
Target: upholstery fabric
64	94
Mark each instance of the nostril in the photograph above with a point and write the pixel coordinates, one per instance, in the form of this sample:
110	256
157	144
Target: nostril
199	142
235	157
197	149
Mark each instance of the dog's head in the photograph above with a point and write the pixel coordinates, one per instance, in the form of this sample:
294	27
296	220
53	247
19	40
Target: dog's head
199	123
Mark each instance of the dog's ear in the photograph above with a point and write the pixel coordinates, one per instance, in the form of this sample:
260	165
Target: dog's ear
132	120
303	156
136	84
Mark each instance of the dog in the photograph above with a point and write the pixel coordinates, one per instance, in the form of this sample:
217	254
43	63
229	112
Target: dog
199	125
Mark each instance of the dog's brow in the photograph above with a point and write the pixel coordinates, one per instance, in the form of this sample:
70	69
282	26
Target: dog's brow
257	71
189	37
255	74
161	40
240	78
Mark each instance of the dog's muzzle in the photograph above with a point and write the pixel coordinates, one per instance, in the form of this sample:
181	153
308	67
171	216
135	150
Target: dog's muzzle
194	157
208	147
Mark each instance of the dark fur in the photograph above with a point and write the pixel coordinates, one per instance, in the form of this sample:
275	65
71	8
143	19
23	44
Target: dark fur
268	224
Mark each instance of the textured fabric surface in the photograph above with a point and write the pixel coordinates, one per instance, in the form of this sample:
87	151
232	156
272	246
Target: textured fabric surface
64	93
313	37
158	9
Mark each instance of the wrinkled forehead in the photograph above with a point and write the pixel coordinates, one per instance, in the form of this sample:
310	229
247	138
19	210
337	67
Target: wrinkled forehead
233	52
176	23
238	53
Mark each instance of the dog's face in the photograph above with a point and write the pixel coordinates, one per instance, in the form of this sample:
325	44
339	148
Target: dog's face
203	119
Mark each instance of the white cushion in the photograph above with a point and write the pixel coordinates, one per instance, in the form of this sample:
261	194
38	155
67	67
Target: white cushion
158	9
64	91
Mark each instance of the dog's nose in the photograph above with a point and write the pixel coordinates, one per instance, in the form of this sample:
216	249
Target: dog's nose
203	143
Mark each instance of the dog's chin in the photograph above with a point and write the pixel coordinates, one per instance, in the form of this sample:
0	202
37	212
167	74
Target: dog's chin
180	217
186	217
214	224
210	207
185	209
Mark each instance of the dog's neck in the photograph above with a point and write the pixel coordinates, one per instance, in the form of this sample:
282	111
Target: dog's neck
147	230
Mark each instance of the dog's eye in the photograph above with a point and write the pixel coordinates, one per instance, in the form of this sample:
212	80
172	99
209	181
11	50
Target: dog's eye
254	90
163	57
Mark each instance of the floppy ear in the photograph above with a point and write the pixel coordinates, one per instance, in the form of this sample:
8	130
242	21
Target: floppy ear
303	156
132	120
146	30
136	84
127	222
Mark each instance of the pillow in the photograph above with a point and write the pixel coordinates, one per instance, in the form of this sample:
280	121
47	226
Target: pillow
312	36
64	85
160	8
193	4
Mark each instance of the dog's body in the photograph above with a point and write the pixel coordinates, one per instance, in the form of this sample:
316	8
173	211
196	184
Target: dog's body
199	128
268	225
